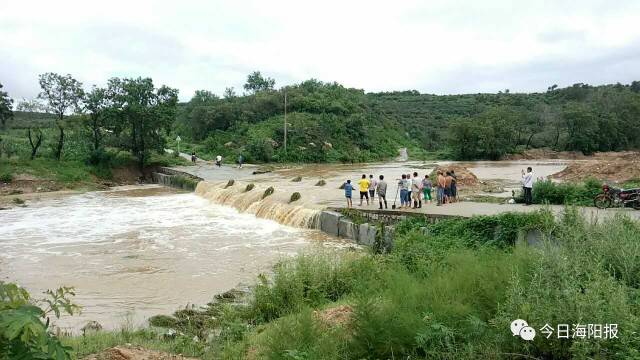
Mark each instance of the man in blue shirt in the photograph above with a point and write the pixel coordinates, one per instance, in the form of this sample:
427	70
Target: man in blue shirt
348	190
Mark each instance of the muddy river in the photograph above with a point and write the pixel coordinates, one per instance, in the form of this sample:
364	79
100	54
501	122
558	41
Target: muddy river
136	252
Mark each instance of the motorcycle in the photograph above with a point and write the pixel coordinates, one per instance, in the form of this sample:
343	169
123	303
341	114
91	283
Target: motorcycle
611	197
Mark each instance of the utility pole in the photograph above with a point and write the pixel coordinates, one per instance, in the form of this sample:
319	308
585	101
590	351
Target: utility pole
285	120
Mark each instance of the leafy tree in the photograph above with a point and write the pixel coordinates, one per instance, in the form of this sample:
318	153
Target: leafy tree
142	112
24	323
96	104
230	93
6	106
32	105
34	144
62	93
582	128
635	86
256	83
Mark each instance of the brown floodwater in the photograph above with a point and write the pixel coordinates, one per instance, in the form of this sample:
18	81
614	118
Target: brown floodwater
140	251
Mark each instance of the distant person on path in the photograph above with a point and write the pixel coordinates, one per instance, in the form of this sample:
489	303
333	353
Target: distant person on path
364	189
441	186
404	191
372	187
240	161
409	193
527	185
454	186
219	161
426	188
193	157
348	191
447	187
416	185
381	187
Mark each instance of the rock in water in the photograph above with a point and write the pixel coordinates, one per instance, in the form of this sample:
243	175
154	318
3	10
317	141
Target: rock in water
295	197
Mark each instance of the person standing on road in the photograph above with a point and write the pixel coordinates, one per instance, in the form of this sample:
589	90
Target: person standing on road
364	189
372	187
441	185
348	192
193	157
381	187
426	188
416	185
240	161
454	187
527	185
447	187
219	160
404	190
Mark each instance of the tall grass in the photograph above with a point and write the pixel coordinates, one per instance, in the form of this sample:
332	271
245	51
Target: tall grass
448	290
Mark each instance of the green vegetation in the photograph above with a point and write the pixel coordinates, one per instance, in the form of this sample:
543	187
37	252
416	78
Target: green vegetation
24	323
447	290
327	122
548	192
88	133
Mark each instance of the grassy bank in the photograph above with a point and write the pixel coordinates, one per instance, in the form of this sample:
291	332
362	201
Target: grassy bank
570	193
447	290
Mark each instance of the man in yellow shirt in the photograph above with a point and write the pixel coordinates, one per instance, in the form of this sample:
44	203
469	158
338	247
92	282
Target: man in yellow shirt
364	188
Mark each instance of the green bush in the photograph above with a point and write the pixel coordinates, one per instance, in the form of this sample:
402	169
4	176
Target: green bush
6	177
24	325
549	192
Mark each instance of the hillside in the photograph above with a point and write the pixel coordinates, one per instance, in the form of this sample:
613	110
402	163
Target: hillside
328	122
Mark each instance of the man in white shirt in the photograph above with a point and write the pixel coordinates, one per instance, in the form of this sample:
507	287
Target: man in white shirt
527	185
219	160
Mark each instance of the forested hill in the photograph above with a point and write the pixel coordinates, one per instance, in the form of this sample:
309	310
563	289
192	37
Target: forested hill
328	122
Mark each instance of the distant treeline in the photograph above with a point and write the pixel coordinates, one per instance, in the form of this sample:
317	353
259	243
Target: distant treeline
361	126
327	122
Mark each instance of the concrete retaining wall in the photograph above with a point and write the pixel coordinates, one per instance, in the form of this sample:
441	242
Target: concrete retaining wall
378	231
174	178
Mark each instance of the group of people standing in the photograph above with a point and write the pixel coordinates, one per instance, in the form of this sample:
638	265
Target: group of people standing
413	190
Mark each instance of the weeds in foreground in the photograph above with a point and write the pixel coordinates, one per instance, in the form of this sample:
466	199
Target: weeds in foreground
447	290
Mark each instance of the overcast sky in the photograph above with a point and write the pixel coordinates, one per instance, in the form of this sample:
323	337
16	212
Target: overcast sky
441	47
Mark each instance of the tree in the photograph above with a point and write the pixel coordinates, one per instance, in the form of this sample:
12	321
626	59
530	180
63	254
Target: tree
62	93
230	93
95	104
38	142
256	83
33	105
6	104
142	111
582	128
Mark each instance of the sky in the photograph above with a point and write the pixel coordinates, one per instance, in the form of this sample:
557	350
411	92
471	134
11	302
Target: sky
438	47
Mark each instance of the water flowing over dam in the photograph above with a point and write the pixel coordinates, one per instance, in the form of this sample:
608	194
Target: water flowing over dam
275	207
141	251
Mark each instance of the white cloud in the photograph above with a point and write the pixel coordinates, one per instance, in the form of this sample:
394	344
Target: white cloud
432	46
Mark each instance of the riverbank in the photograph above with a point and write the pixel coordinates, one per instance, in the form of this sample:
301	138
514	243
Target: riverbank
30	180
447	290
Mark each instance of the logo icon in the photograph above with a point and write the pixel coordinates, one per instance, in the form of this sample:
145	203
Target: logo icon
520	328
